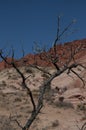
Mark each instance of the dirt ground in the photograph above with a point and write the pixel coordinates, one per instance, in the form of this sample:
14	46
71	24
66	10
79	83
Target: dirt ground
55	115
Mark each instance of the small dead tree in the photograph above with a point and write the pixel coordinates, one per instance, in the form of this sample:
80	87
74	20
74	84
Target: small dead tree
56	60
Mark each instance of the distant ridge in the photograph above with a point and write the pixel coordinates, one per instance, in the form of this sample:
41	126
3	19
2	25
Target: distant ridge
36	59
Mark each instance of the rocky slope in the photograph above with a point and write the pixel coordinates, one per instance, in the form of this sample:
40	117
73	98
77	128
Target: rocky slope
55	115
69	114
42	60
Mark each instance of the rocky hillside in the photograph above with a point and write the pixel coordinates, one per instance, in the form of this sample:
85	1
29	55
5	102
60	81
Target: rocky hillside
15	103
42	60
65	100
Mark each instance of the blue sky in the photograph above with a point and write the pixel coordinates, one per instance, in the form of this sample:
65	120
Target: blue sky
24	21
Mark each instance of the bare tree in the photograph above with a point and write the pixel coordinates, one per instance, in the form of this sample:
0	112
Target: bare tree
56	60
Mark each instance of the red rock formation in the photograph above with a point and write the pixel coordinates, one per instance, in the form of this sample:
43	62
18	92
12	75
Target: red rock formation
43	58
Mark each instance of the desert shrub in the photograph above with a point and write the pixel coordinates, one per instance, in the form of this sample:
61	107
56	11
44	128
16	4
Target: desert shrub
14	77
4	83
64	104
81	106
5	124
44	75
29	70
35	92
55	123
79	69
17	99
9	76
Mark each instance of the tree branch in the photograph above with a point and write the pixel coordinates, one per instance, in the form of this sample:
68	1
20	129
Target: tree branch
79	77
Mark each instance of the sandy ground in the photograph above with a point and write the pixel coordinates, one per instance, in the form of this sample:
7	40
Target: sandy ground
55	115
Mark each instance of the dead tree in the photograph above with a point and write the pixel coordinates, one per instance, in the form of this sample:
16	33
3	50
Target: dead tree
61	66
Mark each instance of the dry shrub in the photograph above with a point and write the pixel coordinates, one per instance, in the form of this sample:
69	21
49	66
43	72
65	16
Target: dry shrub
64	104
55	123
29	70
35	93
17	99
5	124
44	75
81	106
